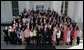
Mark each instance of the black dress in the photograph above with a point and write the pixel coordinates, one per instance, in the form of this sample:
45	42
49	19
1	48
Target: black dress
11	37
49	35
6	37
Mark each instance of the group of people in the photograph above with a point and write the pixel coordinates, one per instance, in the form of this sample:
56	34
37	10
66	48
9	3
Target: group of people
41	26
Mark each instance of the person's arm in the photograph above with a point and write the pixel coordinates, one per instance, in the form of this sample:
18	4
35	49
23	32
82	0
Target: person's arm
80	33
4	32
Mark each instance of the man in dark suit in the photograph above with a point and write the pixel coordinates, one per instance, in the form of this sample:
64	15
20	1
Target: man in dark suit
38	35
45	34
49	34
6	35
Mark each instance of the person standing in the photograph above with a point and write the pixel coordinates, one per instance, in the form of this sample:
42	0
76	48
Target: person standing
10	30
54	35
26	34
79	33
58	36
6	35
21	37
49	34
68	35
45	34
38	35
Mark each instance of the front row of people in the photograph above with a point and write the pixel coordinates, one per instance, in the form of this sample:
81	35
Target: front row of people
46	34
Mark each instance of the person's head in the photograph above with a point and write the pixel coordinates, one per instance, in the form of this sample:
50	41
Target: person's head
45	25
68	27
22	29
6	28
65	23
13	19
77	28
61	28
44	21
56	25
16	24
31	29
10	26
19	20
49	26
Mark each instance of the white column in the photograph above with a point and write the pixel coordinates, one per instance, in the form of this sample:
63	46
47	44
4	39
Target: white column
22	5
27	5
64	7
79	12
71	9
56	5
6	11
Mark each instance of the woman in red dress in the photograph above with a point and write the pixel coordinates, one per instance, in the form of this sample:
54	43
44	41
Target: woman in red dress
65	34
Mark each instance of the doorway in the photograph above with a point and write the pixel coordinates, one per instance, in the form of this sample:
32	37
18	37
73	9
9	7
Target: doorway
39	7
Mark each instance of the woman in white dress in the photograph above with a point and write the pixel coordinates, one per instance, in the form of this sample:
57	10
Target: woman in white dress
58	36
68	35
34	35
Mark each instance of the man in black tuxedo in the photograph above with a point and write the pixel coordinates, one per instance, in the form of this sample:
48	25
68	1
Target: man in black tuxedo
45	34
6	35
49	39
